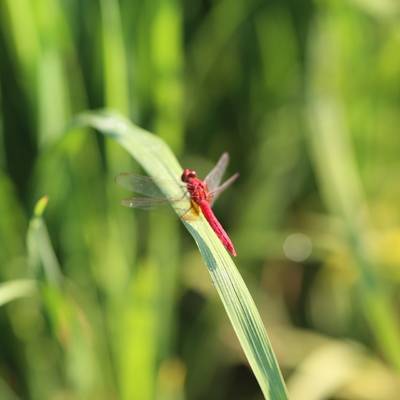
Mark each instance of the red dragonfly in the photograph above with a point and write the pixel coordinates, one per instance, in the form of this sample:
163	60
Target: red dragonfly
202	194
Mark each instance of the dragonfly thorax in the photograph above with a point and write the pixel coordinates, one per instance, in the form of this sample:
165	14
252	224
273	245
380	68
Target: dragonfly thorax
196	187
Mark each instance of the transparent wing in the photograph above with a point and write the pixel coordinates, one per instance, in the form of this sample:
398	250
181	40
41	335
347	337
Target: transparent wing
220	189
145	203
143	184
213	179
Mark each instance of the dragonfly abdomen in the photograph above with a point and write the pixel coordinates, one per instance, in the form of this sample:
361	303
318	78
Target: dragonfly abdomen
216	226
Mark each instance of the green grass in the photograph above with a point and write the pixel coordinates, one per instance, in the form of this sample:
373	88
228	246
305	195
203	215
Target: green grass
304	97
159	162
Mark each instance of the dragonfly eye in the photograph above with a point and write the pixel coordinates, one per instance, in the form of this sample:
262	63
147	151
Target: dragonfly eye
187	174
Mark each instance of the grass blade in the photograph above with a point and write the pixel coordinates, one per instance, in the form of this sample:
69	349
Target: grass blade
114	57
41	253
16	289
158	160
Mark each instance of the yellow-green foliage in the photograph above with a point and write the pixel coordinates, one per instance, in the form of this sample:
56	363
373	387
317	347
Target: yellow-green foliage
102	302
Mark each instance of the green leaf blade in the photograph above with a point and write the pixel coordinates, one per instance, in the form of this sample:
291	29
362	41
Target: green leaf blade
158	161
16	289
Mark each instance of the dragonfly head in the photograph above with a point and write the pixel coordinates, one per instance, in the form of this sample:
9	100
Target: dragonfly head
188	174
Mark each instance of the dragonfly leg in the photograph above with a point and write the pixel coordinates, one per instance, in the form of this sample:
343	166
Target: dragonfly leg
192	213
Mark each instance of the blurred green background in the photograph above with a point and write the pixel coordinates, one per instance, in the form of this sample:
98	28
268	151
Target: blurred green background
112	303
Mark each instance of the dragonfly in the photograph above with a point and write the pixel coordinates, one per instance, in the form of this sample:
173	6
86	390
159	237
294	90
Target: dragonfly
201	193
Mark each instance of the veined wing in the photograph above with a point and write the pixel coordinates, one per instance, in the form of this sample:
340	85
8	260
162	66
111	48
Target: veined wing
213	179
215	194
149	203
144	185
145	203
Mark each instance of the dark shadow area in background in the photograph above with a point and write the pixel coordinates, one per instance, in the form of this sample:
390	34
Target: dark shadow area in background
18	122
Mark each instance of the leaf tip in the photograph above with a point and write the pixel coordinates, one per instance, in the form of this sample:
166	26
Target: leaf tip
40	206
